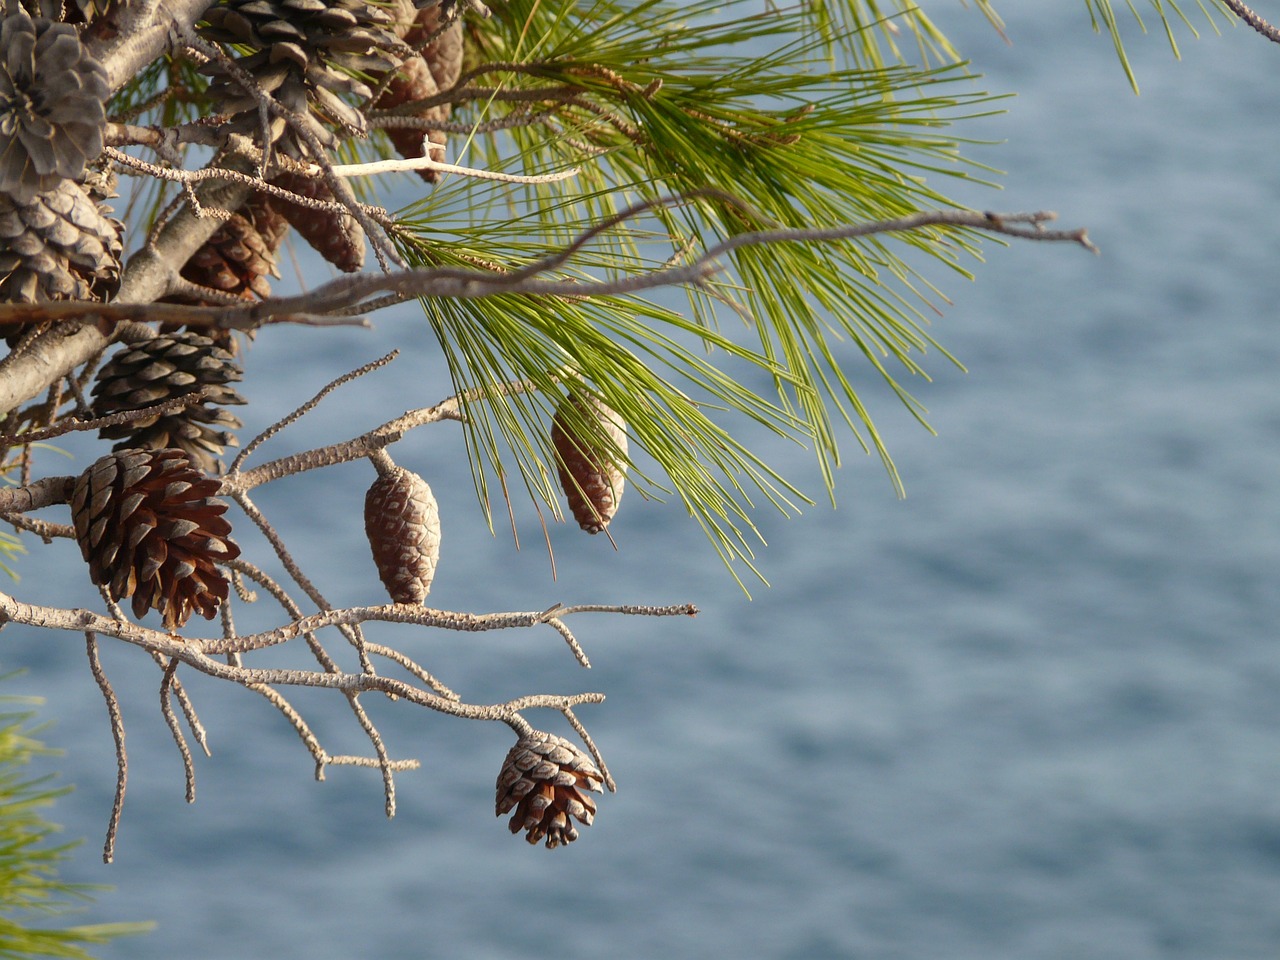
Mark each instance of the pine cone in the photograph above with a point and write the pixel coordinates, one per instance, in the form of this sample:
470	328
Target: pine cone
58	245
52	97
592	476
237	259
437	68
150	528
168	366
241	254
545	779
335	236
402	522
306	54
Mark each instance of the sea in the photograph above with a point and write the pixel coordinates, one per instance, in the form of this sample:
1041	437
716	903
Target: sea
1031	711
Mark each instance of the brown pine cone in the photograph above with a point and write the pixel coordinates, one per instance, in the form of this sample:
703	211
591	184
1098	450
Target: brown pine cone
402	522
150	528
546	780
437	68
58	245
335	236
592	475
241	254
162	368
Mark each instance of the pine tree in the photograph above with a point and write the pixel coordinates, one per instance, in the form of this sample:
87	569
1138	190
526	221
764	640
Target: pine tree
787	167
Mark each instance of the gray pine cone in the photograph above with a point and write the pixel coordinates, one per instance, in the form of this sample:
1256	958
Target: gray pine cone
402	522
150	528
307	53
171	365
545	779
57	245
52	105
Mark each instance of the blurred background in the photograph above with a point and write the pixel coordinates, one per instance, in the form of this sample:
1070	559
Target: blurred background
1028	712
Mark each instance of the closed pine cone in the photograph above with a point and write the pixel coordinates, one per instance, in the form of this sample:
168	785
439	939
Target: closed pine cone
402	522
591	475
335	236
434	70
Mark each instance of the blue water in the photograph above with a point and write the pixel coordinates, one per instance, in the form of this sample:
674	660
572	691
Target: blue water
1028	713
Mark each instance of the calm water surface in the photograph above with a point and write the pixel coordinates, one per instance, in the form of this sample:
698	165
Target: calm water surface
1029	713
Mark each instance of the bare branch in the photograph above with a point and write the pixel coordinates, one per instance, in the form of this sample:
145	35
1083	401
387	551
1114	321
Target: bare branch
117	733
171	719
73	425
347	294
307	407
591	745
1252	19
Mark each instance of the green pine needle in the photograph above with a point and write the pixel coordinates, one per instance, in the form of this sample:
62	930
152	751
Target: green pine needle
30	892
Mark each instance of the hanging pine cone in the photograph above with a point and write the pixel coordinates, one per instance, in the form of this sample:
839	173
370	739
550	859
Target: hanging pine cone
238	259
546	780
241	254
402	522
307	54
52	105
335	236
436	69
58	245
162	368
150	528
592	475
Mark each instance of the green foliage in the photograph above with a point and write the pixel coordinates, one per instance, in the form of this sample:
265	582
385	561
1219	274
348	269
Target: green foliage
29	888
651	101
1103	16
706	120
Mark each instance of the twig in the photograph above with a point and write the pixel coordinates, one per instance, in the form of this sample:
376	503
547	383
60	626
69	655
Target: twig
394	655
571	640
117	732
351	630
307	407
365	445
591	745
71	425
384	761
166	708
427	162
1253	20
184	702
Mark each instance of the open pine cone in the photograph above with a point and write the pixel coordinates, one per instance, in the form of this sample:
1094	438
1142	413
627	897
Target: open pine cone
162	368
53	95
546	780
306	54
58	244
150	528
